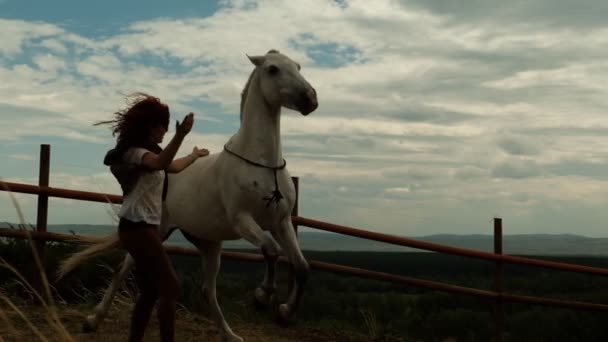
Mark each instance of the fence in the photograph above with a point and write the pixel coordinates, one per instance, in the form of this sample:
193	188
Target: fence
40	236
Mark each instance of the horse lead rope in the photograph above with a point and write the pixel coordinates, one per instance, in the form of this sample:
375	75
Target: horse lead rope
276	194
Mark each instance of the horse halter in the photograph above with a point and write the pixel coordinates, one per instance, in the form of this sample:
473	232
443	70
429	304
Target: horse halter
276	195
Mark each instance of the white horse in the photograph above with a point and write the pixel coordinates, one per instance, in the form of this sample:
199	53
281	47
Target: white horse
238	193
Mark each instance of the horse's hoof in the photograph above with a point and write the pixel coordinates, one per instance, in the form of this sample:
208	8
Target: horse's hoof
231	338
88	326
262	299
283	316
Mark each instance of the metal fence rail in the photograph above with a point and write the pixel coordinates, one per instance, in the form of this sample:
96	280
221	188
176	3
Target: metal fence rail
429	246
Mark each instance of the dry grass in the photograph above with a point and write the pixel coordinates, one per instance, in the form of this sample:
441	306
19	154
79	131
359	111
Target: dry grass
45	299
189	327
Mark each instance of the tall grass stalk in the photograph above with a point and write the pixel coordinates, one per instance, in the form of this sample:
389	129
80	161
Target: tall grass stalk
47	301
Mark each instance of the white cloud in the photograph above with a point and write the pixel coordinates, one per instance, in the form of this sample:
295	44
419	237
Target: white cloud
54	45
21	157
580	76
327	125
399	190
425	110
15	33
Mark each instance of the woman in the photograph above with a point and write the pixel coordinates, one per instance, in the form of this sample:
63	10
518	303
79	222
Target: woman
140	164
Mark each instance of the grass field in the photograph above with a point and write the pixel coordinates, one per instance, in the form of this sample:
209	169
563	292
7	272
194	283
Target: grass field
335	307
189	327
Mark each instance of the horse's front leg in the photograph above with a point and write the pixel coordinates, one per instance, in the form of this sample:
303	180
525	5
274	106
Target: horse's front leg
286	237
264	293
247	228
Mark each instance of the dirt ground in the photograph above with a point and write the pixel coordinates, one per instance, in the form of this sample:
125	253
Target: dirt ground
189	327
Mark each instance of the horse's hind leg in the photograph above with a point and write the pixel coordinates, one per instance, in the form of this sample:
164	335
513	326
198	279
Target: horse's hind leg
252	232
210	252
286	237
101	309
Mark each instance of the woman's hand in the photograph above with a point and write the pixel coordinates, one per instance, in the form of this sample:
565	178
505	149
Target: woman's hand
180	164
184	128
203	152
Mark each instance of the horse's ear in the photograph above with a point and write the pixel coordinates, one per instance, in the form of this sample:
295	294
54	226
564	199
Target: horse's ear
256	60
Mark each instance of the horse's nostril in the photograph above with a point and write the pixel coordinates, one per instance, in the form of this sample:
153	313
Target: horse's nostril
308	101
314	102
311	95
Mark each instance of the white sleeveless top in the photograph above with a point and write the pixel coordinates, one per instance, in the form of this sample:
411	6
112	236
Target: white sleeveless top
144	201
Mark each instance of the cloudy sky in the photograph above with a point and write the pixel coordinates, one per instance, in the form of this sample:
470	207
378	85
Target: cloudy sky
434	116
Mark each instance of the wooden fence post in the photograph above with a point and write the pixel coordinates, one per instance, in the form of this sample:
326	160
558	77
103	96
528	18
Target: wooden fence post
499	314
294	212
42	214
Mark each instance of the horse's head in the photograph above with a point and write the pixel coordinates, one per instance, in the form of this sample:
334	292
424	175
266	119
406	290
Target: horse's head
282	84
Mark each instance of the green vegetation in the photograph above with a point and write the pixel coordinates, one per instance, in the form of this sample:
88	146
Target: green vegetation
379	311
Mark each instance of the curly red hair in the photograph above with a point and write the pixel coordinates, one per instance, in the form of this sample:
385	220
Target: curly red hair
133	123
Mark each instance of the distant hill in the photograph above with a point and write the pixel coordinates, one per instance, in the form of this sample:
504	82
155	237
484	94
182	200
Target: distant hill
532	244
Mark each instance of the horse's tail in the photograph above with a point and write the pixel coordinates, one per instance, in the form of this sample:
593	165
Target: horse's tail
100	246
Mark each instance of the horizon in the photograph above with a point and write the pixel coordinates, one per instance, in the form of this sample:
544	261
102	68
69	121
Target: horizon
433	118
308	230
312	240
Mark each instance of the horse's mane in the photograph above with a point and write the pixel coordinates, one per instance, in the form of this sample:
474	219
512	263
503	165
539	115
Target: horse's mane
246	91
246	88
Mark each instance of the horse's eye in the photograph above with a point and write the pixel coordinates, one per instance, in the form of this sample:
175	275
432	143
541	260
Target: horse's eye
273	70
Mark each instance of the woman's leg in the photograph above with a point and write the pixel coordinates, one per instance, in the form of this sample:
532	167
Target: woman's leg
167	297
156	280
